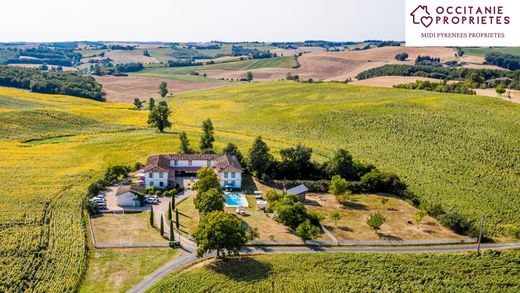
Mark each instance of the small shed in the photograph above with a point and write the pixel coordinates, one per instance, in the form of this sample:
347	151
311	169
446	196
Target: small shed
299	191
128	195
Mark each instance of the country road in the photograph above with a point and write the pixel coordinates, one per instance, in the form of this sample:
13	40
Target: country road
188	255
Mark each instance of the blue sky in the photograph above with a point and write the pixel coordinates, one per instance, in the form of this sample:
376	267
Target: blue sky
201	20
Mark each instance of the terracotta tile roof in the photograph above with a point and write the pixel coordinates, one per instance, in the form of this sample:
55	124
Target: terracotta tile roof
193	157
157	163
227	163
161	163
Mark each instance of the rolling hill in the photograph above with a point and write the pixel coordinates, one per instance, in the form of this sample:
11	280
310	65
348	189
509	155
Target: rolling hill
456	150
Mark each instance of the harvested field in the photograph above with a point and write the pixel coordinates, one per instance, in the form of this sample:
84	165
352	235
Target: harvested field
126	89
292	52
347	64
514	95
477	62
127	56
65	68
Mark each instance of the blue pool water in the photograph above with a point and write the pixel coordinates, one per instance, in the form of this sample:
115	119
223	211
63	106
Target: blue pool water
234	200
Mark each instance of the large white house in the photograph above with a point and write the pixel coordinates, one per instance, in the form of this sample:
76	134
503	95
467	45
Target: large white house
160	170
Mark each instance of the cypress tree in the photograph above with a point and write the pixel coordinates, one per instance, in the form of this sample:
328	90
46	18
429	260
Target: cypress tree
172	236
172	203
162	225
177	219
151	215
169	215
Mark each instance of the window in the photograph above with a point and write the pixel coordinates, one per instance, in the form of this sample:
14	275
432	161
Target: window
150	175
161	184
233	174
160	175
175	163
225	175
189	163
232	183
151	184
209	163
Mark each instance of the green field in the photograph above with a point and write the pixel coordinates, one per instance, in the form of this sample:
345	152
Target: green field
352	272
483	51
179	72
276	62
457	150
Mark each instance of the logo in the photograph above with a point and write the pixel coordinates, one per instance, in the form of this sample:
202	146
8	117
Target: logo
421	15
462	23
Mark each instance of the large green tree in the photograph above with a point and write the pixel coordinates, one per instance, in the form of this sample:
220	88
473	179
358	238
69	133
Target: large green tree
221	232
208	201
208	179
158	117
341	164
259	158
151	104
232	150
296	162
207	138
138	104
338	185
163	89
185	147
249	76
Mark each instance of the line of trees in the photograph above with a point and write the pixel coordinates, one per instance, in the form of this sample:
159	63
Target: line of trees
508	61
59	82
130	67
479	77
443	87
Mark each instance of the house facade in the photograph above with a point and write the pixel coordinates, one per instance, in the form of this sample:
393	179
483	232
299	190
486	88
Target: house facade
161	170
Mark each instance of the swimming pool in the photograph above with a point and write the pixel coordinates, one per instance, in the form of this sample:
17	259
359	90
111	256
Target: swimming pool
235	200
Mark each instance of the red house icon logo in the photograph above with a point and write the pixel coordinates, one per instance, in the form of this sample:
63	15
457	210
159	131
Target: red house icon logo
420	15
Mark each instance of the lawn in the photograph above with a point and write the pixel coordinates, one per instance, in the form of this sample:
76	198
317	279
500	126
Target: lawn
188	216
352	272
483	51
133	227
117	270
360	206
268	229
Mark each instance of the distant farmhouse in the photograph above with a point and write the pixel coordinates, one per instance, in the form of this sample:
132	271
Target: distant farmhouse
161	170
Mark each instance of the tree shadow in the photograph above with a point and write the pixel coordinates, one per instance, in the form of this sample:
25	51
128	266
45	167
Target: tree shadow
355	206
184	215
392	209
312	203
242	269
388	236
346	229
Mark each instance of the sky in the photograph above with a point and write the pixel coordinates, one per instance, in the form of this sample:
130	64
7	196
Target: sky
201	20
